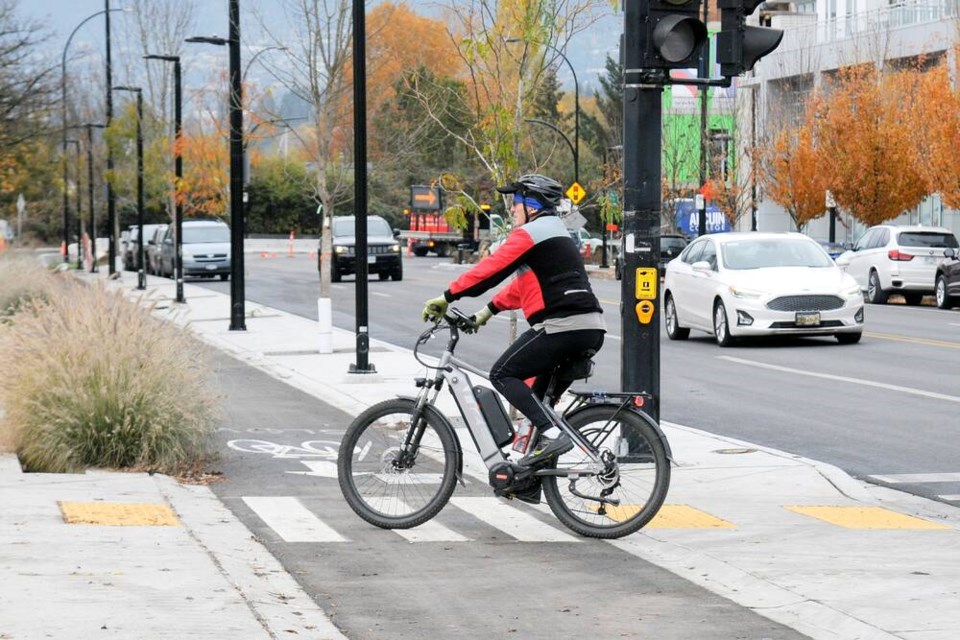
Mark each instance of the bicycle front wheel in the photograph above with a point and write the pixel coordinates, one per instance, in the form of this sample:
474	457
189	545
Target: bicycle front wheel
387	484
636	478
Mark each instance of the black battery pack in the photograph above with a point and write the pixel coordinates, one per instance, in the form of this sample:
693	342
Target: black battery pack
496	416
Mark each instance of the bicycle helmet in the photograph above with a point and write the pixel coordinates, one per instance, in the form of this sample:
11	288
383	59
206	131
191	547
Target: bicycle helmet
546	191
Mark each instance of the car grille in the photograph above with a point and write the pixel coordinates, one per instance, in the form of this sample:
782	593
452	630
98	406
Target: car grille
805	303
209	257
379	248
826	324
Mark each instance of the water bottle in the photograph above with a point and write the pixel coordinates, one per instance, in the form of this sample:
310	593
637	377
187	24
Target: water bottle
524	434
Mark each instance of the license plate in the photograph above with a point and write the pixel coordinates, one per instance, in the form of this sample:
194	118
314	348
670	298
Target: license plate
210	267
808	318
372	259
931	259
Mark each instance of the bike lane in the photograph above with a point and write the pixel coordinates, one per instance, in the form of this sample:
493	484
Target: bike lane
484	567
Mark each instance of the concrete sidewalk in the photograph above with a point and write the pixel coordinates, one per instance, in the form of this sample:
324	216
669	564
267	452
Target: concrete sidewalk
795	540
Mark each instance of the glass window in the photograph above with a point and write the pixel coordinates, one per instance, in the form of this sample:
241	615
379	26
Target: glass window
880	239
774	252
375	227
933	239
864	240
709	255
214	233
692	253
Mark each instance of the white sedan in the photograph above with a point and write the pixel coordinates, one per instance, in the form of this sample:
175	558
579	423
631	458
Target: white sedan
757	284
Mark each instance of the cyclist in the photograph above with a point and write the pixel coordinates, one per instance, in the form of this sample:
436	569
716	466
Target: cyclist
552	289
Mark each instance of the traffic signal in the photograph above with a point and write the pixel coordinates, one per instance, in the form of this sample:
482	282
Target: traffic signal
673	33
739	45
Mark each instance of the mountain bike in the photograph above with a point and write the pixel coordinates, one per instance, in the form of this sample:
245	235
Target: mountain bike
400	460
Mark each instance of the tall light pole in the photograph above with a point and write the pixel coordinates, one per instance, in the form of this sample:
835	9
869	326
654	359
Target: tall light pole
576	105
66	205
141	272
237	302
93	220
177	170
63	99
246	68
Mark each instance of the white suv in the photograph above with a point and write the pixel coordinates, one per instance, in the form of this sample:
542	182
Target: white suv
891	259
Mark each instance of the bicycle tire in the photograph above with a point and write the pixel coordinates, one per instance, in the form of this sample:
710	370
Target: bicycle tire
378	492
641	483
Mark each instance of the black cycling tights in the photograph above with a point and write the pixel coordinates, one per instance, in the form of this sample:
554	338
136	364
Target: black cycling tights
536	354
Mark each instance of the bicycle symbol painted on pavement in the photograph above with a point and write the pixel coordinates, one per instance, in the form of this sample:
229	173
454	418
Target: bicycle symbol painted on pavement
323	449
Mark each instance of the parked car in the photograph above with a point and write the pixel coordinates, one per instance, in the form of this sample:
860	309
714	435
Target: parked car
891	259
205	251
947	284
670	247
383	249
131	250
736	285
833	249
152	249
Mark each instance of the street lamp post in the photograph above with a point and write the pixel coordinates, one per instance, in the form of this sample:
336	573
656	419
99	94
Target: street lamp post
93	220
63	99
66	215
576	106
237	303
141	272
177	170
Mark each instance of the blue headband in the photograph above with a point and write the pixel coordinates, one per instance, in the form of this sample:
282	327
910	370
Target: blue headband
533	203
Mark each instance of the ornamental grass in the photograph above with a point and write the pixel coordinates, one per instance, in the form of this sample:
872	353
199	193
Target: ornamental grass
90	379
22	279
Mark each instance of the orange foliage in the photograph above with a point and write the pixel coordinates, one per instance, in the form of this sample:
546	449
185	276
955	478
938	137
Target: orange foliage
793	173
203	190
867	139
399	40
936	113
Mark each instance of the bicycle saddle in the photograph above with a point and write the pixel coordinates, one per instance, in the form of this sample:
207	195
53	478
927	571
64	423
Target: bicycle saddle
576	367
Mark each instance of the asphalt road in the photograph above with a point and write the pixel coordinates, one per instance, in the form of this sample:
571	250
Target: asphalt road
883	410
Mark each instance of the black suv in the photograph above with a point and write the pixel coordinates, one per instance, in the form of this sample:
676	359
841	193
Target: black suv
383	249
947	286
670	247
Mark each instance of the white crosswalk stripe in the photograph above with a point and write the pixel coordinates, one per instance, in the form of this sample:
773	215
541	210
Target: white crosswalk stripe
512	521
291	520
921	478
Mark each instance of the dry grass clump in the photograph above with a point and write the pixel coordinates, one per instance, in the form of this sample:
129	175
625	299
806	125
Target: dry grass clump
92	380
22	279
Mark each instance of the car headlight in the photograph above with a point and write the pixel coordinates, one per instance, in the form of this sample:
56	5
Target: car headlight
852	291
395	248
340	249
742	292
186	253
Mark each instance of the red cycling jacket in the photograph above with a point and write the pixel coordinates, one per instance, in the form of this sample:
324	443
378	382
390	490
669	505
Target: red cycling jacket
551	280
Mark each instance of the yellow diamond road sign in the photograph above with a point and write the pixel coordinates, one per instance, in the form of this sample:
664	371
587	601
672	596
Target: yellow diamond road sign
576	193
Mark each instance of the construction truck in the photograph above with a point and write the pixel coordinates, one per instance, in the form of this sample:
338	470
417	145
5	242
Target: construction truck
429	232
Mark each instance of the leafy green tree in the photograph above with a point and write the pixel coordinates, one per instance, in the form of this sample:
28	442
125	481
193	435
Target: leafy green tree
278	201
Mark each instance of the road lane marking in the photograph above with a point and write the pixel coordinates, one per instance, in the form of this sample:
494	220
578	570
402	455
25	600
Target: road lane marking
291	520
511	521
867	518
860	381
380	294
917	478
925	341
429	531
951	498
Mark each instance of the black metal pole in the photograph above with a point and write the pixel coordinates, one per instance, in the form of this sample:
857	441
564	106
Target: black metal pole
360	185
111	196
640	348
178	177
833	224
141	270
237	302
177	171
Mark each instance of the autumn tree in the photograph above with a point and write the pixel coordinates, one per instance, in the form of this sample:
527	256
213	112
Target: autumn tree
866	138
791	168
936	114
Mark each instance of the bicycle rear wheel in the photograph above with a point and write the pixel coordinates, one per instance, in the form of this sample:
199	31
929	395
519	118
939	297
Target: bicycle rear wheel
638	480
386	485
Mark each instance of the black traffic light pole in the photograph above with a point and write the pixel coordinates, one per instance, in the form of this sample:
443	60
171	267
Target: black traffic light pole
642	106
360	186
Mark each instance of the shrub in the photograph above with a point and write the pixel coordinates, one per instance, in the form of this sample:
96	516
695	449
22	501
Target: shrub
22	279
91	379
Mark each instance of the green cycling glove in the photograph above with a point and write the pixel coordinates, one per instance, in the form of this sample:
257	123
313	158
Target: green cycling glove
481	317
435	309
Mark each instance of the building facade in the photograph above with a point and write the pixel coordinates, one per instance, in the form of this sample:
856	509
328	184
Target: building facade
820	37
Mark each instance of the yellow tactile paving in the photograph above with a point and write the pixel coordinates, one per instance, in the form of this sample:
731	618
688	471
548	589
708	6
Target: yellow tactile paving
866	518
118	514
672	516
